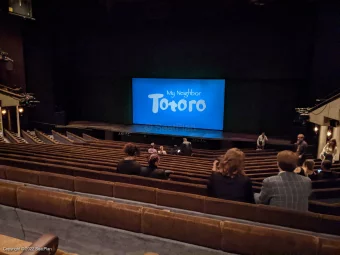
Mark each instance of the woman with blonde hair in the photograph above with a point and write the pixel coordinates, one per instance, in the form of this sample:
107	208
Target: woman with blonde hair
329	151
228	180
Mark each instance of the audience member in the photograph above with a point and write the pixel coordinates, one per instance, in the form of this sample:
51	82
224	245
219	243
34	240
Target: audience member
228	180
152	170
329	151
152	149
186	148
307	169
261	141
287	189
301	149
326	172
161	150
174	150
129	165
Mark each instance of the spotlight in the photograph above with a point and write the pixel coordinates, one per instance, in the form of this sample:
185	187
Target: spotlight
329	133
3	111
21	110
316	129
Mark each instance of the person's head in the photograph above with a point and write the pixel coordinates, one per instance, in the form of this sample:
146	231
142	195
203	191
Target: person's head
300	137
326	165
161	148
152	145
185	140
287	161
332	143
131	150
232	163
309	164
154	160
263	134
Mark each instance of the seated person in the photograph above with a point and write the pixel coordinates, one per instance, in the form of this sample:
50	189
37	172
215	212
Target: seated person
152	170
287	189
152	149
161	150
129	165
261	141
307	170
326	172
186	148
228	180
174	150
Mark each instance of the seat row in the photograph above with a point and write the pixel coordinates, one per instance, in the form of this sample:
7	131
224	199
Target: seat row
216	234
174	199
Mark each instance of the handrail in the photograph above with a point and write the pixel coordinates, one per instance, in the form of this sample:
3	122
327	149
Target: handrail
325	102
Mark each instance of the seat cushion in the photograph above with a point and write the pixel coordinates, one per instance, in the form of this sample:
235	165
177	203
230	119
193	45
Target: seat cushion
96	187
3	171
229	208
45	201
22	175
249	239
109	213
135	192
179	200
329	246
288	218
195	230
58	181
8	194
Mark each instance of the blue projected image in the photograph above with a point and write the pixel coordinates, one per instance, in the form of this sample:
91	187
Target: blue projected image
192	103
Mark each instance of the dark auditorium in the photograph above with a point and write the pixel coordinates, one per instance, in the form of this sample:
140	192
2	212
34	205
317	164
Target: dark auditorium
158	127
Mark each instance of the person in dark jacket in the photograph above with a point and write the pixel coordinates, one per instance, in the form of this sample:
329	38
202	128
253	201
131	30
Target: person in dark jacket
326	171
301	149
152	170
228	180
186	148
129	165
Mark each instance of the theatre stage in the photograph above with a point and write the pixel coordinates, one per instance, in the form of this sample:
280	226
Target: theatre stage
171	132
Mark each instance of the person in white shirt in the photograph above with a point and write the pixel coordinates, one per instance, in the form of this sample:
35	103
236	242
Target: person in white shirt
161	150
152	150
329	151
261	141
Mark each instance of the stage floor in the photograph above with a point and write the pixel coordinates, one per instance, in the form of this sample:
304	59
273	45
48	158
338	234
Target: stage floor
173	131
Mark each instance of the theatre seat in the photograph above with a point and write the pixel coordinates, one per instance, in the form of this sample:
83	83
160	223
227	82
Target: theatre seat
185	187
229	208
8	194
3	172
115	177
288	218
328	247
146	181
109	213
48	202
249	239
135	192
185	228
58	181
96	187
180	200
21	175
